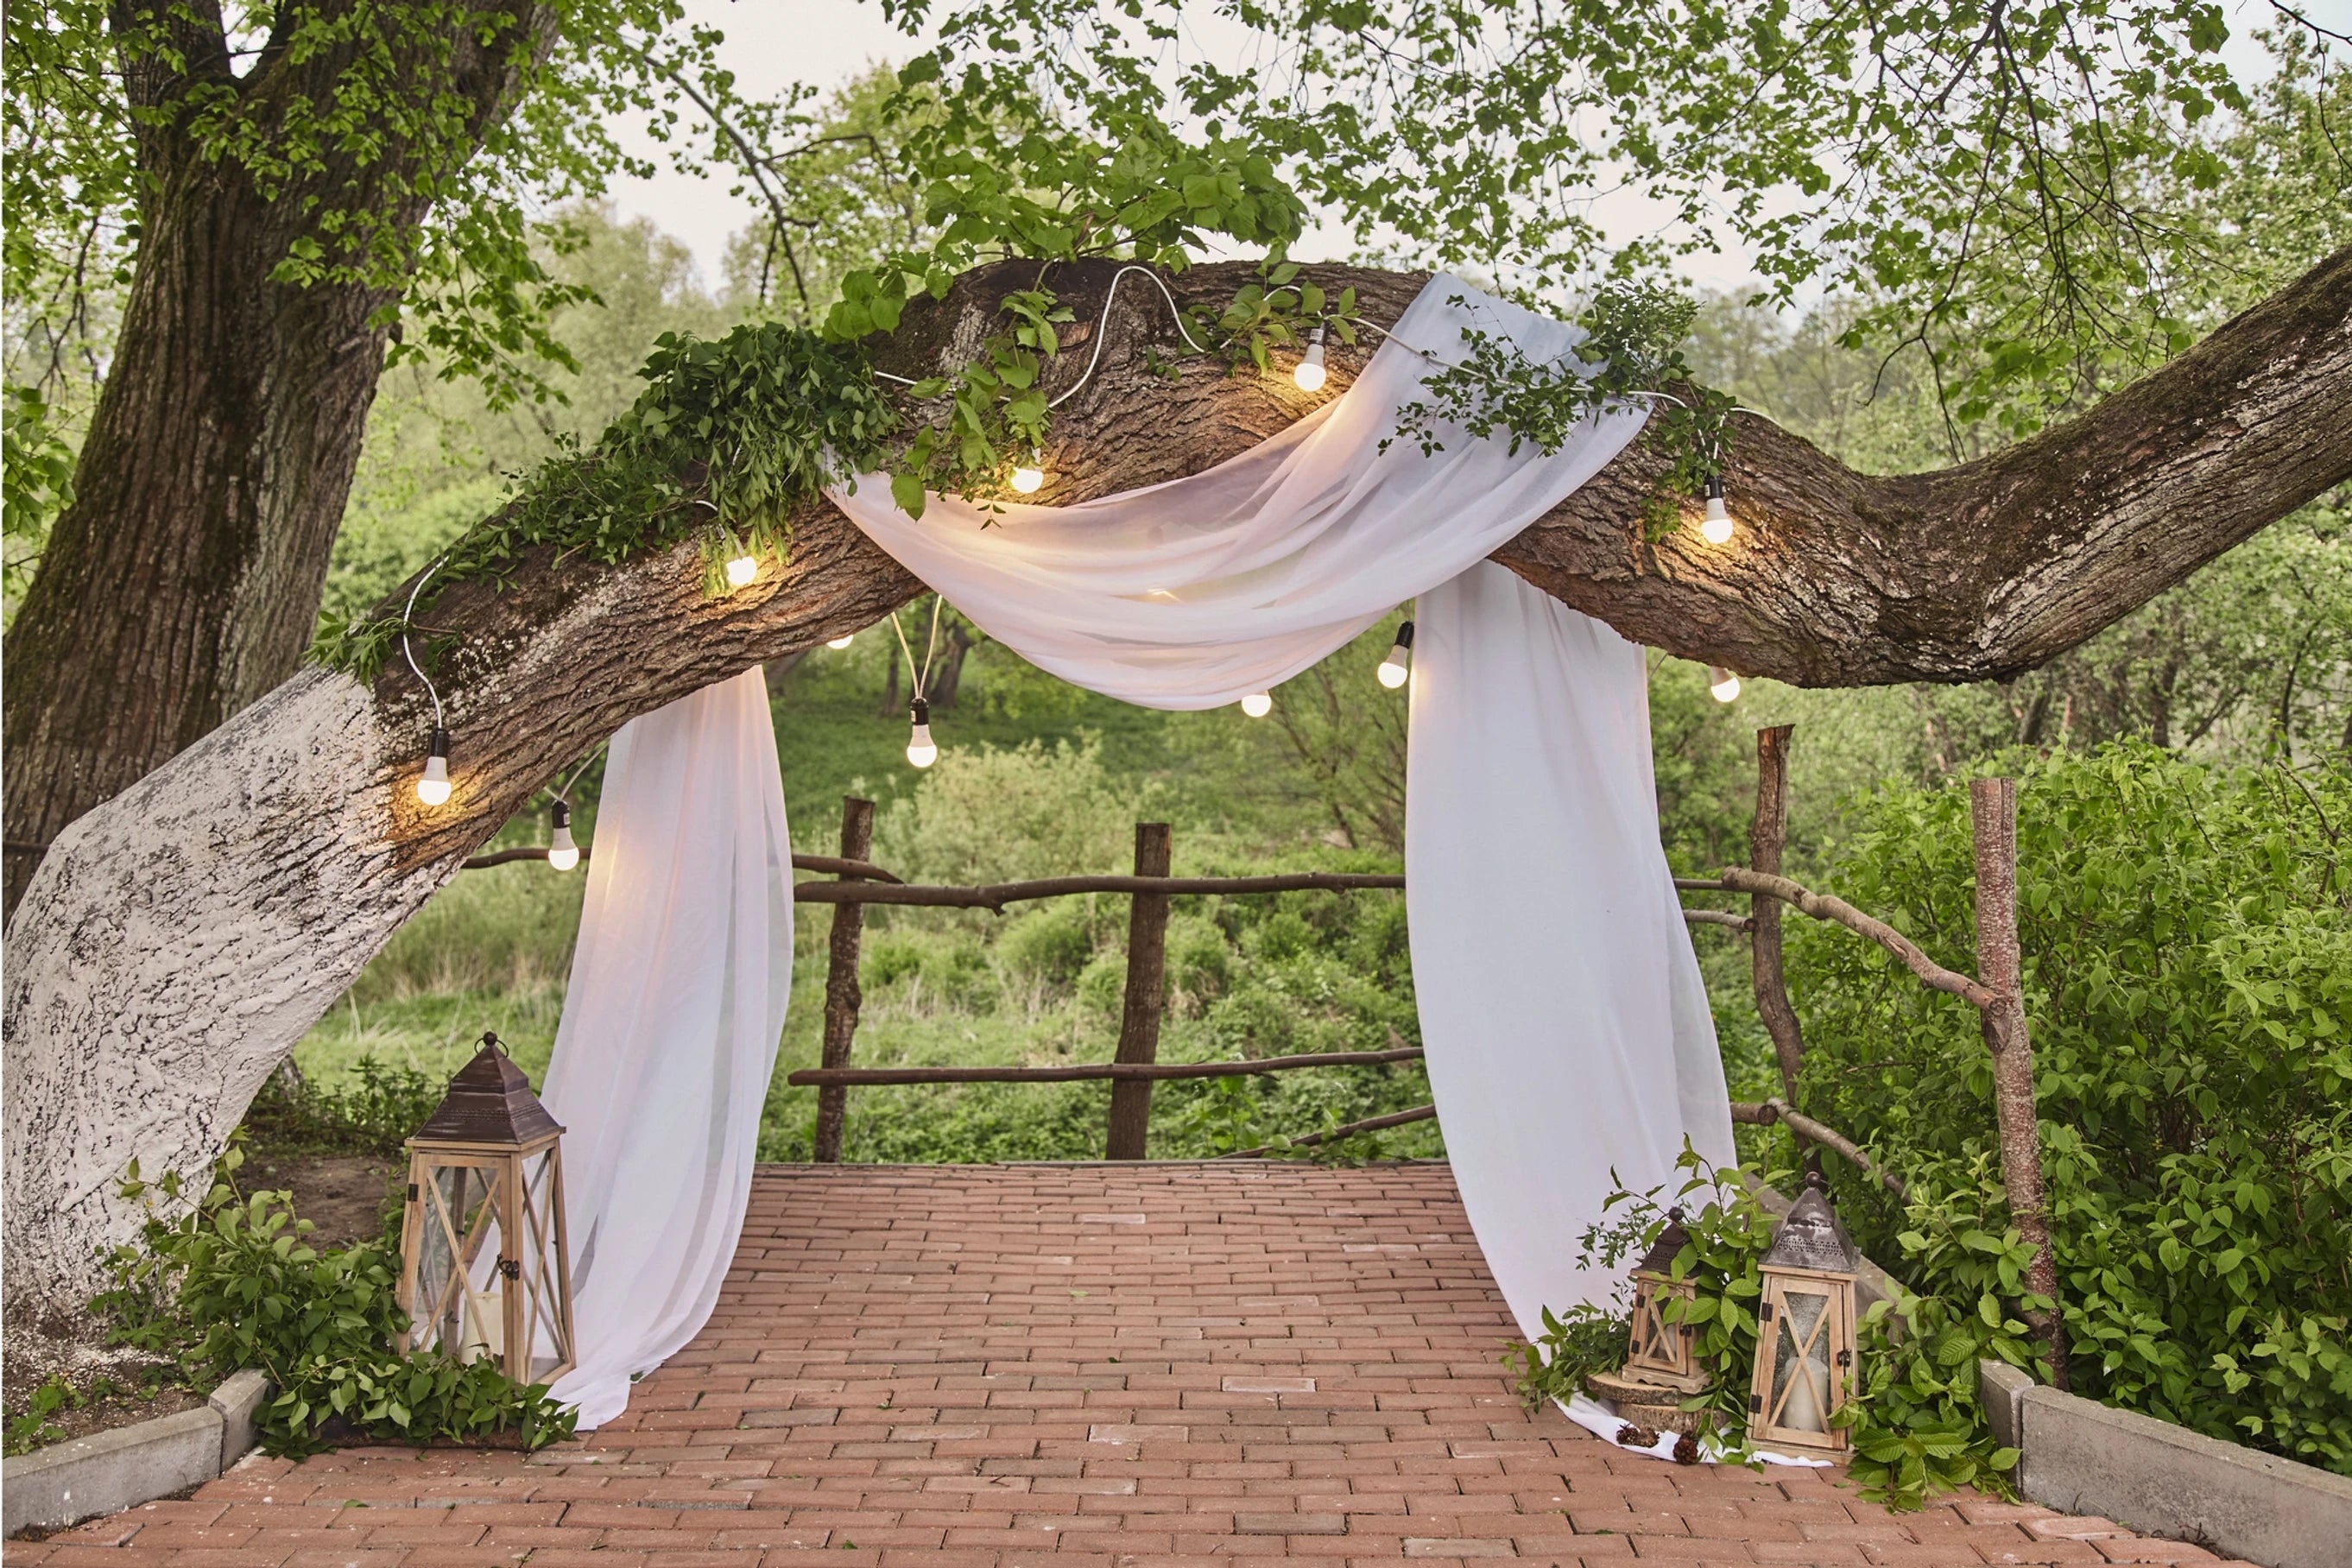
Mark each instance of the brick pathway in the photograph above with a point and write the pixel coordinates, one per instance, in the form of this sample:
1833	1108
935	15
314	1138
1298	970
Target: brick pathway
994	1366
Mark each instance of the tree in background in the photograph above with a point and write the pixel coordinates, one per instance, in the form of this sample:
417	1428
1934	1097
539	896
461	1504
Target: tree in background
222	223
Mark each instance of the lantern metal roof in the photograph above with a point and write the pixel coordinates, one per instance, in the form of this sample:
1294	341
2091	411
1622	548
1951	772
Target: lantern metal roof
489	1103
1671	1239
1811	1235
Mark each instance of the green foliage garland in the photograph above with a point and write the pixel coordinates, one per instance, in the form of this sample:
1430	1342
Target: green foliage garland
232	1284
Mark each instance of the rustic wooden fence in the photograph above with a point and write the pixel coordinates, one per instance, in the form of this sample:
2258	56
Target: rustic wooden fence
856	881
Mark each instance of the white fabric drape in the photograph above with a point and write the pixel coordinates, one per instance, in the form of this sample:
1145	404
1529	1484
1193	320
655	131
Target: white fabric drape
1560	1001
1197	592
670	1027
1570	1047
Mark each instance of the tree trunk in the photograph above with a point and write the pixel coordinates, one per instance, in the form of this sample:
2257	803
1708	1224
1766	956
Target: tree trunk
843	995
182	937
183	583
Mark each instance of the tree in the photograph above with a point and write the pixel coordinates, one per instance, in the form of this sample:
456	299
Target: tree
278	197
180	937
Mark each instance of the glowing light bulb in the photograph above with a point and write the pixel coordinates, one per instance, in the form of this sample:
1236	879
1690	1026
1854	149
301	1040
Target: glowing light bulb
1258	704
563	854
1721	684
1309	373
741	570
921	751
1029	477
1715	527
840	642
1397	668
433	785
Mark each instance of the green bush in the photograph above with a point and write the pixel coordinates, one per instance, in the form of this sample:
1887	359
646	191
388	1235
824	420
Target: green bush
375	1112
232	1284
2188	984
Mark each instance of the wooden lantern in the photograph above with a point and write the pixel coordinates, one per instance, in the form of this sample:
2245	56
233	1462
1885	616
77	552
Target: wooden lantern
483	1270
1804	1329
1660	1351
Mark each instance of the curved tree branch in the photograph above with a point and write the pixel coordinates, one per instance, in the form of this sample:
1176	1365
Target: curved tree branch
179	939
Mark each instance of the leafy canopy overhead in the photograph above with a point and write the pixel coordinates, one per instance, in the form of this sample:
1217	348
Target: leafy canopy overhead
2021	189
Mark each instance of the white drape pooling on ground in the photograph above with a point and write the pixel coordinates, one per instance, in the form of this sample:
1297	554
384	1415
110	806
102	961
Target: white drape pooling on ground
1566	1033
670	1027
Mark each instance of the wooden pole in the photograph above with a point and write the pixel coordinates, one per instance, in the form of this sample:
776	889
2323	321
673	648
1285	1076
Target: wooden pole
1767	835
1992	805
1139	1025
842	996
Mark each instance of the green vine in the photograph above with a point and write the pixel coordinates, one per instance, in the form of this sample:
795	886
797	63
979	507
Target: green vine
1631	352
731	435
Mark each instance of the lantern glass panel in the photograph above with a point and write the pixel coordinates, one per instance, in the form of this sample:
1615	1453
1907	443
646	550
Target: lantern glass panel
1800	1361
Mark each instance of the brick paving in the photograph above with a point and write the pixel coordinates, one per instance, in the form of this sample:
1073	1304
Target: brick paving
993	1366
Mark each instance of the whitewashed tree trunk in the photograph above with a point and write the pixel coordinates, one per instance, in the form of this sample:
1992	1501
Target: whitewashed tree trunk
179	939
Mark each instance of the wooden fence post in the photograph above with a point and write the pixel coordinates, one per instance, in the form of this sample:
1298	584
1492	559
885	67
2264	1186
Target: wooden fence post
1767	835
1138	1024
842	996
1992	807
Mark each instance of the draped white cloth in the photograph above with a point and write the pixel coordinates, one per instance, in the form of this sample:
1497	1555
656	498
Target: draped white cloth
670	1027
1567	1034
1570	1047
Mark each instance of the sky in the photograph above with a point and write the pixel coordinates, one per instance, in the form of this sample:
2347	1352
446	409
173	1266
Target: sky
772	43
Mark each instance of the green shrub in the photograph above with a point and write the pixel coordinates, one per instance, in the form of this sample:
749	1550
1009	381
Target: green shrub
2189	983
232	1284
375	1112
1051	944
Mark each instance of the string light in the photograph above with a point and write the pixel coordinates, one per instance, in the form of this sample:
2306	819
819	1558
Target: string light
1030	477
1716	528
563	854
1721	684
921	751
1309	373
1397	668
741	570
433	784
840	642
1258	704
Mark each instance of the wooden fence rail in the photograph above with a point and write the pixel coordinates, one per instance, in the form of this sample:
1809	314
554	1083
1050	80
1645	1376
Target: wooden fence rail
1116	1071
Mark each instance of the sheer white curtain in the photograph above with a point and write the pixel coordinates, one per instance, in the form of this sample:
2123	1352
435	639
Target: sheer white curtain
1558	995
670	1027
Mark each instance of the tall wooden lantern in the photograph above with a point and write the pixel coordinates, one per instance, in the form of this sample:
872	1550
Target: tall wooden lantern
1804	1329
483	1266
1659	1352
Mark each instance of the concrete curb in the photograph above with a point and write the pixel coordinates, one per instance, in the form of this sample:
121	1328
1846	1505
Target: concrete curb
2082	1456
110	1471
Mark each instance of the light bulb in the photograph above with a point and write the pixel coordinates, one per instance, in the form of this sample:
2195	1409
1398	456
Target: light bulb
433	785
1029	477
839	642
1721	684
921	751
563	854
1258	704
1397	668
1715	527
741	570
1309	372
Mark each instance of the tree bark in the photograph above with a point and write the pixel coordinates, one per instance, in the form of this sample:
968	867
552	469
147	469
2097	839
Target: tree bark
183	582
182	937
